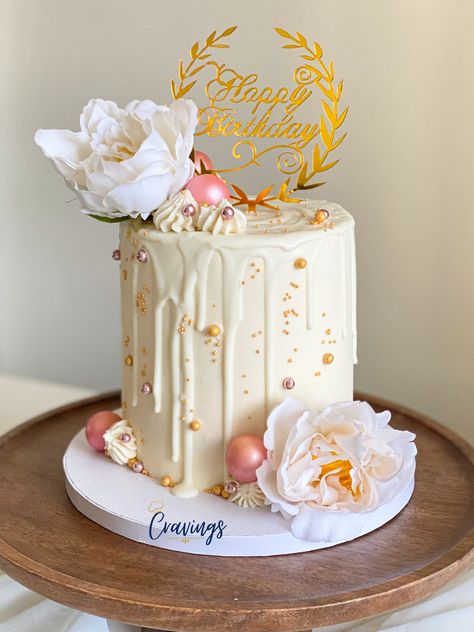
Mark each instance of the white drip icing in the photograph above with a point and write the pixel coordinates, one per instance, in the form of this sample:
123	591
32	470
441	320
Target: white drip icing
135	265
180	265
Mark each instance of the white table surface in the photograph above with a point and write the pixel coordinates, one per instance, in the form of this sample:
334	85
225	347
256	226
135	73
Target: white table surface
24	611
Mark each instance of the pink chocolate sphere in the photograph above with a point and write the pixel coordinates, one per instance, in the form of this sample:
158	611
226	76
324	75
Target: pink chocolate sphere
97	425
200	156
208	189
244	456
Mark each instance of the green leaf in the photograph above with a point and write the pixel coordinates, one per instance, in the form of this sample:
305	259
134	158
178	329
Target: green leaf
110	220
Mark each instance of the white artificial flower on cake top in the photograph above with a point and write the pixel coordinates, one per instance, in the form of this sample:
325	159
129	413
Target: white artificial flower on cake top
125	162
345	459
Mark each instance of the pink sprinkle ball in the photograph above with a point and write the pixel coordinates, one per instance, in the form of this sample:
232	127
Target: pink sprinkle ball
244	456
138	467
142	256
208	189
97	425
227	213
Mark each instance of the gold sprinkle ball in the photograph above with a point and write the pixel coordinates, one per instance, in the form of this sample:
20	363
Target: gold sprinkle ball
131	462
225	494
328	358
128	360
195	425
214	330
218	489
321	216
167	481
301	263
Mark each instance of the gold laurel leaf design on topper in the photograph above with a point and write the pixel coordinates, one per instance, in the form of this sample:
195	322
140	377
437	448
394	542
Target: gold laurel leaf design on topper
299	155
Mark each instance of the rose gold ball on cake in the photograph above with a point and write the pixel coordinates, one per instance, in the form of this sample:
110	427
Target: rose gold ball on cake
142	256
195	425
128	360
227	213
97	425
214	330
208	189
288	383
138	467
244	456
189	210
146	388
167	481
116	254
301	263
125	437
328	358
230	487
321	216
201	157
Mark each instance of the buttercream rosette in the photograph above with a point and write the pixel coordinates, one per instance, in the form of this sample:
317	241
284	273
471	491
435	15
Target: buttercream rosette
120	442
172	217
344	462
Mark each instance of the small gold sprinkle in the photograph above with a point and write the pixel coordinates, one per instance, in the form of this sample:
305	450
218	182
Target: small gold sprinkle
246	392
257	350
318	373
290	360
295	349
328	358
328	332
167	481
195	425
243	375
128	360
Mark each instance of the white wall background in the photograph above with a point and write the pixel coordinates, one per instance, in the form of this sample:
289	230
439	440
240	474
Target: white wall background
406	175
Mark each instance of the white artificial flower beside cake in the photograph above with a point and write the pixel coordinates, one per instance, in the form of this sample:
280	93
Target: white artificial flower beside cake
125	162
344	459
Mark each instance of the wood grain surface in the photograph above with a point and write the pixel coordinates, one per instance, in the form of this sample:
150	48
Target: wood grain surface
48	546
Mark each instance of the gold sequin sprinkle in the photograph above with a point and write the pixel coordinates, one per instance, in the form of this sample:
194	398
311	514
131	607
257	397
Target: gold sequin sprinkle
328	358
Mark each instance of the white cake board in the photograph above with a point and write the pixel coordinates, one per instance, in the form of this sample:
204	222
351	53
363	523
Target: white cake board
124	502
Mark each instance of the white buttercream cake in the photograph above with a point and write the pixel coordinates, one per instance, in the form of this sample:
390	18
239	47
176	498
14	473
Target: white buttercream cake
218	329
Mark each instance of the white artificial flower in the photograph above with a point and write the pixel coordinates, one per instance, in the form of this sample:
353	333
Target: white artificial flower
125	162
344	459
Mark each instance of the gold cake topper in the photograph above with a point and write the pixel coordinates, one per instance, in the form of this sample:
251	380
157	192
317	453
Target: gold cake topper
301	149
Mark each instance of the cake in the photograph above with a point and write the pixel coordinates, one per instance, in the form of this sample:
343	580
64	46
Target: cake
238	311
217	329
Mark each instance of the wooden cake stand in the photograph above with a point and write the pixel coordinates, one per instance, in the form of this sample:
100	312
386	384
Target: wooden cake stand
53	549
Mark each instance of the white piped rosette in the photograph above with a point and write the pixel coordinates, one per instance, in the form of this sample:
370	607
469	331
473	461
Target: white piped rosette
182	212
326	472
120	442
